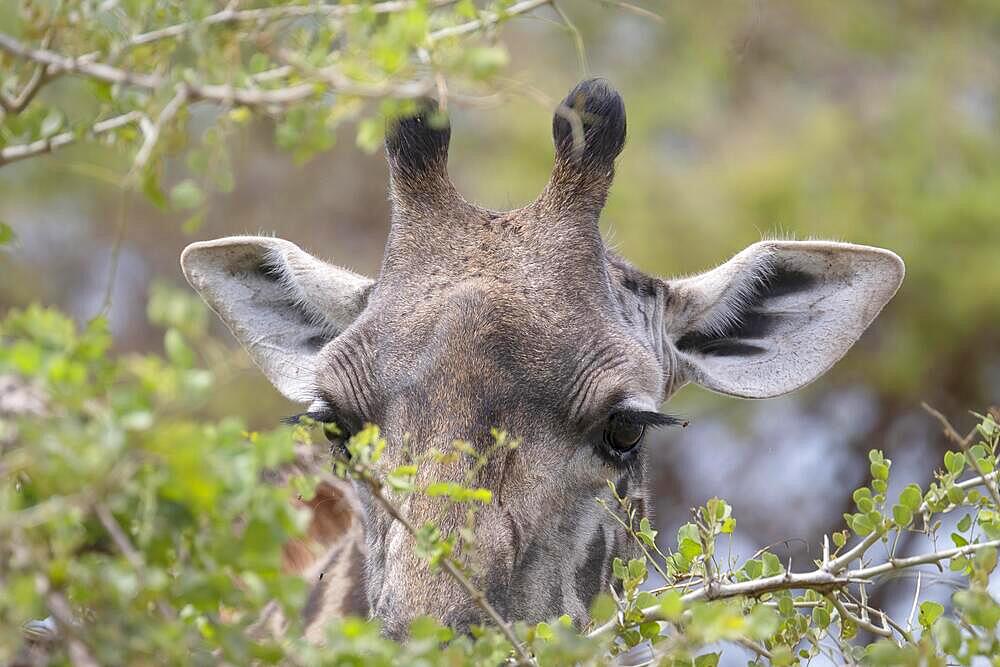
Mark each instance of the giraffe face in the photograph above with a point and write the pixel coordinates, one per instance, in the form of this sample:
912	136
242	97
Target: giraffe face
524	321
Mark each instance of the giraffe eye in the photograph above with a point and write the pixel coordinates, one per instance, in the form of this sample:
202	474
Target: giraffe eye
623	435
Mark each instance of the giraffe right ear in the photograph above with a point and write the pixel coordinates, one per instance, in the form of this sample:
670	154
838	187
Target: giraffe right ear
281	303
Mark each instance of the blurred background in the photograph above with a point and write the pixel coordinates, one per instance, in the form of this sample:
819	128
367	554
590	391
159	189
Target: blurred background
875	123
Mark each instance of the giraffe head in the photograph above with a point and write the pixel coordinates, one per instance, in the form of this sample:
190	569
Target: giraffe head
525	321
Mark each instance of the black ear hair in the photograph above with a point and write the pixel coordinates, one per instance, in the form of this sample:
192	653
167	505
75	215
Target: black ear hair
419	142
601	114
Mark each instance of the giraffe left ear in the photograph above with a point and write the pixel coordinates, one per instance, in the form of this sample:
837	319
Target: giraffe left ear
280	302
778	315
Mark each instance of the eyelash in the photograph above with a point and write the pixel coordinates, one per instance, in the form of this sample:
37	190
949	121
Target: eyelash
649	418
646	419
642	418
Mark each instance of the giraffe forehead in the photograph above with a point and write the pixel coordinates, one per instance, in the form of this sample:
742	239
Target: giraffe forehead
498	360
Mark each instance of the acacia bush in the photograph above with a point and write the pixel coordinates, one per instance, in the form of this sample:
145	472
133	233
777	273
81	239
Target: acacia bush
144	533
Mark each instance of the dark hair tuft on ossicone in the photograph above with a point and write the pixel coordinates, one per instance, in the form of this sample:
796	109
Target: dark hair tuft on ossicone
596	108
419	142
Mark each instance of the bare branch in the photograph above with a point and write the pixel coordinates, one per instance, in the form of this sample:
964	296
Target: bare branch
953	435
841	562
581	49
916	601
923	559
488	19
635	9
755	647
151	131
447	563
218	93
23	151
263	15
118	535
39	77
23	99
857	620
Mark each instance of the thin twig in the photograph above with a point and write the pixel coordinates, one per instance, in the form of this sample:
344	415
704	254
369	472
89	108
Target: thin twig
152	131
953	435
375	487
923	559
916	601
118	535
823	580
22	151
39	77
79	653
130	553
635	9
268	14
841	562
755	647
487	19
845	614
581	49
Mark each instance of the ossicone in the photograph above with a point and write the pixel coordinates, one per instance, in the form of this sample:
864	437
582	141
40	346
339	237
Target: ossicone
589	127
417	144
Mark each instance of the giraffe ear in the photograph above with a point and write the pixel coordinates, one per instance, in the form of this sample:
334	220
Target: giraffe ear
777	315
281	303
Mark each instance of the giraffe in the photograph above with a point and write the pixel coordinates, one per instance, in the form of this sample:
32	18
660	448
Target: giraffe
523	320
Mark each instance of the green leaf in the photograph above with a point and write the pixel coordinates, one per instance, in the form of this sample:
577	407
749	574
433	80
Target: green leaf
671	605
786	606
707	660
649	630
177	350
880	471
862	525
690	549
763	622
965	523
371	131
772	566
954	462
186	194
459	493
618	569
485	61
902	515
6	234
646	600
820	617
947	635
604	607
754	568
929	612
53	123
911	497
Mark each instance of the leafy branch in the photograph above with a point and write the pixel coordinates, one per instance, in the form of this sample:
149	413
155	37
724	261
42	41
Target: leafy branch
365	450
695	580
308	66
